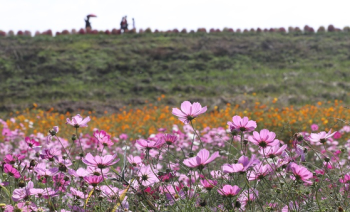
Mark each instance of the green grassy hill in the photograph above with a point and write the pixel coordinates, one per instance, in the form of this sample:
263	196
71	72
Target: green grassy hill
106	72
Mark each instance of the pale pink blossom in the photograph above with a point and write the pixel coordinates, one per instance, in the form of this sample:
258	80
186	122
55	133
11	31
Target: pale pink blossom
147	177
242	124
320	137
100	162
78	121
242	165
189	111
272	151
201	159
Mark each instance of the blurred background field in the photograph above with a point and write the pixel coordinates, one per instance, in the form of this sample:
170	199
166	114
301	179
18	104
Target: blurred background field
102	72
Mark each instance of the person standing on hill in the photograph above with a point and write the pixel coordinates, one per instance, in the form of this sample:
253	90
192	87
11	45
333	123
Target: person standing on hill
87	23
124	24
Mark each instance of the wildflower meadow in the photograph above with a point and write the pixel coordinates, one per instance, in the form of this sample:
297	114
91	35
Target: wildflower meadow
178	159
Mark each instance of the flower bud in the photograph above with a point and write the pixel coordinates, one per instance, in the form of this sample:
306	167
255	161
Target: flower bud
167	170
191	154
326	159
21	184
202	203
74	137
237	204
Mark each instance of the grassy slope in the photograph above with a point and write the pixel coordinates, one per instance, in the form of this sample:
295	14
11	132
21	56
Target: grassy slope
105	72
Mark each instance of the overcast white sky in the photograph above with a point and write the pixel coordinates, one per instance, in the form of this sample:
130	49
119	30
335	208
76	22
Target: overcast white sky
57	15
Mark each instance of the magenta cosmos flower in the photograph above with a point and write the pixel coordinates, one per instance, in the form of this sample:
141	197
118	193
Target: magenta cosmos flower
314	127
229	191
241	124
201	159
78	121
189	111
100	162
321	137
208	184
264	138
93	180
300	173
11	171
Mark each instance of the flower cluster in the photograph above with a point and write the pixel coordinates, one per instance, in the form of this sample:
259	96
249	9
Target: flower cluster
239	167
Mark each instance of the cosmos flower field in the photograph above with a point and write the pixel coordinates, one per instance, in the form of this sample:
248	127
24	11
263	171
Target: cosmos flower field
188	158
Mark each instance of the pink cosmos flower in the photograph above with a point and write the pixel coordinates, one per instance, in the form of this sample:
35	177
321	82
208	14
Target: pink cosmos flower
78	121
166	177
314	127
169	139
337	135
201	159
345	179
208	184
241	124
11	171
264	138
134	161
81	173
149	144
100	162
147	177
31	142
50	154
93	180
242	165
110	192
41	170
292	206
272	151
300	173
248	196
61	182
46	192
173	194
321	137
259	172
22	193
188	111
229	191
76	193
103	138
23	207
123	136
10	159
97	171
